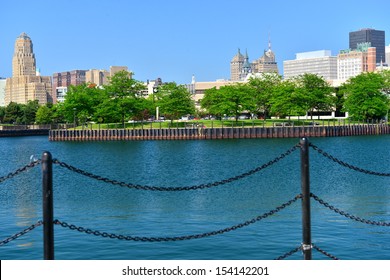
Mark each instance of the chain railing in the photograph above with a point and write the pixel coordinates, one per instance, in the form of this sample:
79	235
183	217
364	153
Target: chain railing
305	247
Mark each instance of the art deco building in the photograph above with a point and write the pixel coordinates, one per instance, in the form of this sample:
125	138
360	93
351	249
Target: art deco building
266	63
236	65
26	83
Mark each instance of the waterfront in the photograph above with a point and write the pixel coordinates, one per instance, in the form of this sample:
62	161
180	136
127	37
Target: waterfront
92	204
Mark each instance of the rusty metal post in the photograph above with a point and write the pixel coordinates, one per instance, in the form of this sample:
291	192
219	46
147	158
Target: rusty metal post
305	187
47	205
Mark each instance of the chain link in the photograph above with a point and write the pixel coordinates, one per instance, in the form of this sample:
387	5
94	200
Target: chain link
188	188
350	166
20	170
324	252
347	215
19	234
177	238
293	251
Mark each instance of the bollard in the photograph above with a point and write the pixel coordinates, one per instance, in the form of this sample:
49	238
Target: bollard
305	187
47	206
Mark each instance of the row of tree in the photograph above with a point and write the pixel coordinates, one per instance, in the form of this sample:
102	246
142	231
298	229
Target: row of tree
365	96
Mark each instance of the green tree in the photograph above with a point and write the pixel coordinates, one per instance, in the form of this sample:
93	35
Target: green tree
365	96
81	102
314	93
125	94
13	113
284	100
2	114
44	115
264	87
230	100
174	100
29	112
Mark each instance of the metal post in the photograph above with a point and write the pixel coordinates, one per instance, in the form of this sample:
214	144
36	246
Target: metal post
47	205
305	187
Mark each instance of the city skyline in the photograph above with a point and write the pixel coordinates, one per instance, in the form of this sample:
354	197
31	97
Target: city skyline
177	40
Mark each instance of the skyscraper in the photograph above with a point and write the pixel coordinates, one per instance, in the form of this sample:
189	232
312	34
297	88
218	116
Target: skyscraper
367	35
26	83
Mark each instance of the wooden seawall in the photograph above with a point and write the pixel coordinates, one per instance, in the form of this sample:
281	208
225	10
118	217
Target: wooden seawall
217	133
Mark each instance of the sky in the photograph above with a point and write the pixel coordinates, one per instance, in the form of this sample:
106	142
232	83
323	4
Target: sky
174	40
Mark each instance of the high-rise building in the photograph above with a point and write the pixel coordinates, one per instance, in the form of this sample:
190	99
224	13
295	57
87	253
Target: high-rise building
368	35
387	51
2	91
351	63
61	81
236	65
97	77
321	63
266	63
26	83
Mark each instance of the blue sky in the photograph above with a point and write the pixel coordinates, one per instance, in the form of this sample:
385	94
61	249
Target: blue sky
176	39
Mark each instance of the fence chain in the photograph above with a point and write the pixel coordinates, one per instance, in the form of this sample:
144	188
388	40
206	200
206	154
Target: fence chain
19	234
178	238
350	166
187	188
324	252
293	251
352	217
20	170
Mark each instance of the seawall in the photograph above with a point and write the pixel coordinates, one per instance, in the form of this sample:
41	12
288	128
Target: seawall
24	132
217	133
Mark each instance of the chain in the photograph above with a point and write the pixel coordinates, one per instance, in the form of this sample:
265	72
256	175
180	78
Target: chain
19	234
352	217
350	166
293	251
188	188
324	252
20	170
178	238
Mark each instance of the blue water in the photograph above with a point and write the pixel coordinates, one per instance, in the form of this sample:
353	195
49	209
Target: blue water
99	206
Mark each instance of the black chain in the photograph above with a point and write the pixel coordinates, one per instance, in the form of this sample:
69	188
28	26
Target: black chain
177	238
324	252
350	166
293	251
19	234
188	188
20	170
352	217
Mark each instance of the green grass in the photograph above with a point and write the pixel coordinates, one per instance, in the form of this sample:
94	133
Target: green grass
216	124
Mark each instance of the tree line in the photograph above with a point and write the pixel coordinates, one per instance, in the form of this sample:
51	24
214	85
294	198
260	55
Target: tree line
364	97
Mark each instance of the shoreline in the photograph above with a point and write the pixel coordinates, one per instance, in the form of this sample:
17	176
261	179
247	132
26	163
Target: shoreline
217	133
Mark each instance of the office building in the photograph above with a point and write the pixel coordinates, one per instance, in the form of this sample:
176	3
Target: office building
368	35
26	83
63	80
351	63
320	62
2	91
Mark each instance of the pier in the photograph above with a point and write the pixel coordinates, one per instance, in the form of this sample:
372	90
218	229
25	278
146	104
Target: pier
203	133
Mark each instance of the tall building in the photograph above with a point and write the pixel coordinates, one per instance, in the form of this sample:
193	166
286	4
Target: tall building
61	81
351	63
236	66
387	51
321	63
266	63
26	83
240	66
2	91
368	35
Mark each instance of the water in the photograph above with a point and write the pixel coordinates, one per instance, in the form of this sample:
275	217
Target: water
98	206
